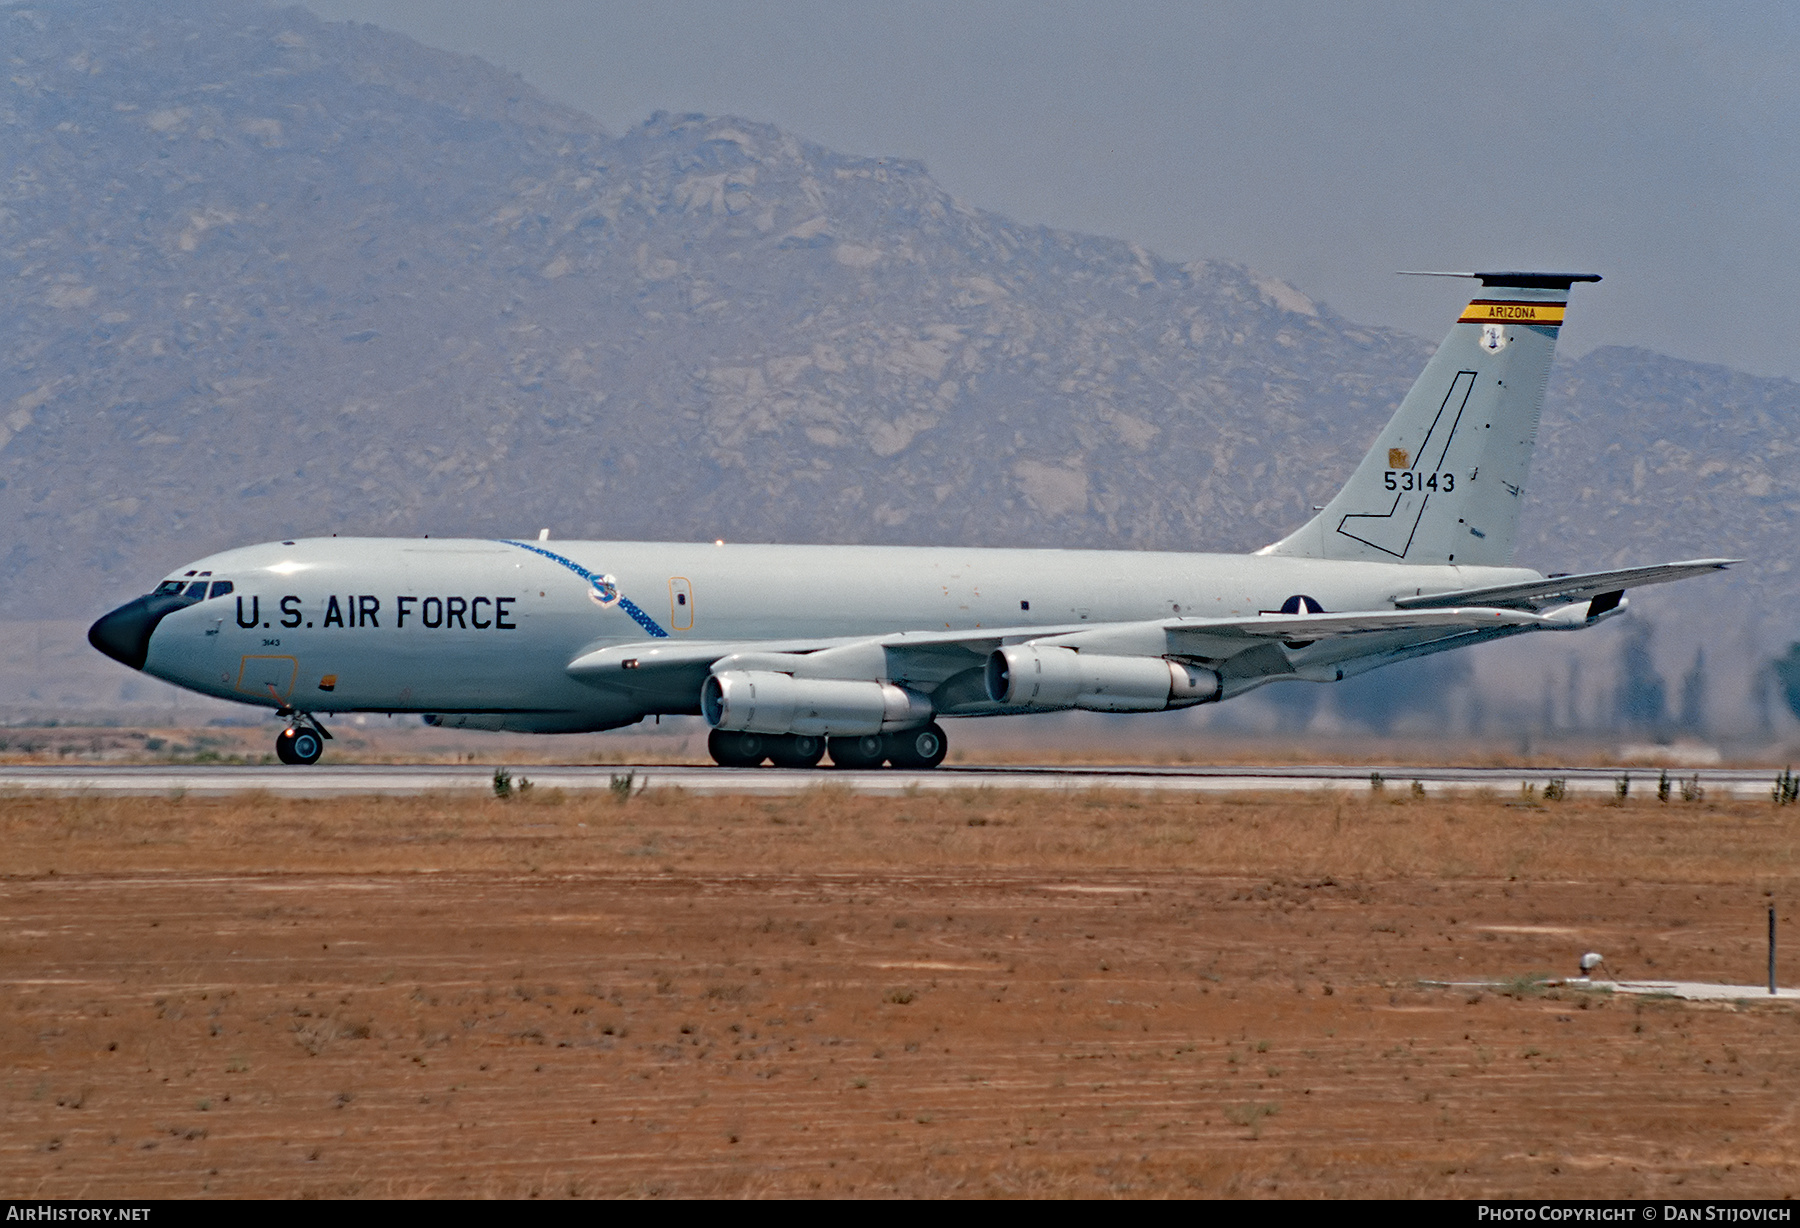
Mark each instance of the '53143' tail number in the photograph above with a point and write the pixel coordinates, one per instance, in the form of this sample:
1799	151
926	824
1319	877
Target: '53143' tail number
1408	479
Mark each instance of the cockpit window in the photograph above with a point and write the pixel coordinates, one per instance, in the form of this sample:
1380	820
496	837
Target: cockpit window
220	587
197	589
169	588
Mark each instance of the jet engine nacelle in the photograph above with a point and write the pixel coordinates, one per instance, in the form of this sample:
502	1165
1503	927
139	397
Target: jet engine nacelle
1030	676
759	701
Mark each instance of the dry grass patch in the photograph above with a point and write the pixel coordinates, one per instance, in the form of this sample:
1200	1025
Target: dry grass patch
1323	834
989	993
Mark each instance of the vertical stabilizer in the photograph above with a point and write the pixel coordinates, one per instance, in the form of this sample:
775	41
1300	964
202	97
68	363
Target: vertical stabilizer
1444	480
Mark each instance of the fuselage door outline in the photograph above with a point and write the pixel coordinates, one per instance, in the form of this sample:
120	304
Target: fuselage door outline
270	674
681	604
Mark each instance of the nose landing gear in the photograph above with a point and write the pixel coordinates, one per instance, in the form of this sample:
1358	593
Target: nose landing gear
301	742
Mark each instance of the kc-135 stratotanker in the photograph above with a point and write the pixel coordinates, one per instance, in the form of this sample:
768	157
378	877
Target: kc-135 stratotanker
793	651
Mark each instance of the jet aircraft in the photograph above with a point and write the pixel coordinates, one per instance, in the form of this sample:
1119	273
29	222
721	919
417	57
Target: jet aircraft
793	652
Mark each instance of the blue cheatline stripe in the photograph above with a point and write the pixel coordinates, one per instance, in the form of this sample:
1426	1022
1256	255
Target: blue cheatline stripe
625	603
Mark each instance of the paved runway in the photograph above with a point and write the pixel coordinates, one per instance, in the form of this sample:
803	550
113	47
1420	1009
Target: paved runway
331	780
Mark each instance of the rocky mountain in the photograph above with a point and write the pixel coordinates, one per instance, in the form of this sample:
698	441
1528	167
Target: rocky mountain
266	275
1641	452
289	277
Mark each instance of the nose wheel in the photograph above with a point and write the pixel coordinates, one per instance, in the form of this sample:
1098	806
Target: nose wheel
301	743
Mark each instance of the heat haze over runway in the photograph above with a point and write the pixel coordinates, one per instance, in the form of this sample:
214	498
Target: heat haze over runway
330	780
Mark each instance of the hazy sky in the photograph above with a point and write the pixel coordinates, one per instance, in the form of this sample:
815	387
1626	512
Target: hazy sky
1329	143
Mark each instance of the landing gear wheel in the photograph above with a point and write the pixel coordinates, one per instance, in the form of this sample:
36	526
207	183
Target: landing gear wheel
796	750
865	752
735	748
299	745
917	748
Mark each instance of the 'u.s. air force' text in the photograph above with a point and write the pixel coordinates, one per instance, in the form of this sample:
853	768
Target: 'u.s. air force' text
365	610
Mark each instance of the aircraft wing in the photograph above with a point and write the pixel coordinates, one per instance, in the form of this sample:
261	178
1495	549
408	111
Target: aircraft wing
1559	590
928	658
660	655
671	654
1215	638
1330	626
1096	636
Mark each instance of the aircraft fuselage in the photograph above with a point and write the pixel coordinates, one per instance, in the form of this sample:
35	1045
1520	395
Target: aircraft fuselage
782	648
490	627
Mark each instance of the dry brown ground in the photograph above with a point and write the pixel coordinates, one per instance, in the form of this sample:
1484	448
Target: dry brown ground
973	994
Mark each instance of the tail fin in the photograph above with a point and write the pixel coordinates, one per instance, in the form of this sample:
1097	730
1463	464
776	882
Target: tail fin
1443	482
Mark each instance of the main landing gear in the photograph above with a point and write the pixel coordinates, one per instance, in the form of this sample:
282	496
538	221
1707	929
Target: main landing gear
302	742
734	748
916	749
912	749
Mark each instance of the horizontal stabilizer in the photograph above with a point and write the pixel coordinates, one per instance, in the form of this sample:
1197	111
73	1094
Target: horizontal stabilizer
1560	590
1516	280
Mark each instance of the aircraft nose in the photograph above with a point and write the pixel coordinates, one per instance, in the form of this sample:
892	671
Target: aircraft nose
124	634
